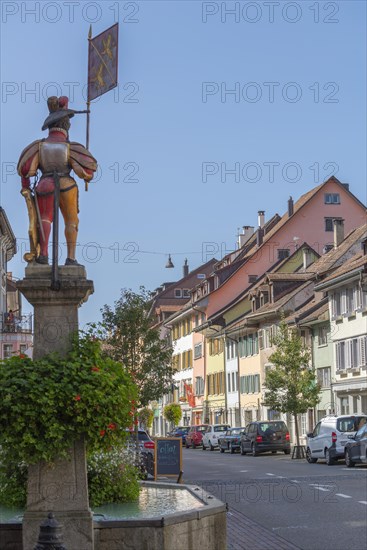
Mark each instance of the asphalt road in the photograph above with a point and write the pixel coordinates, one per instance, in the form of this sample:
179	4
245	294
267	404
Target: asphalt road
313	506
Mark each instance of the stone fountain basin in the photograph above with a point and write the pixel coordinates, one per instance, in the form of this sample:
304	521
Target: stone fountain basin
167	517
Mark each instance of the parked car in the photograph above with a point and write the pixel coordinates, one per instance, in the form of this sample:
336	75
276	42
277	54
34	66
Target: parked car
180	431
230	440
194	437
211	435
146	445
260	437
356	448
330	436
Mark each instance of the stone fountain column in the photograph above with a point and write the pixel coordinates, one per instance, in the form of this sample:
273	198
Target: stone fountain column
62	488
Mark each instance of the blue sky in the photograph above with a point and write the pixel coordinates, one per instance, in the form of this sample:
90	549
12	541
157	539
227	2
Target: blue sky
167	141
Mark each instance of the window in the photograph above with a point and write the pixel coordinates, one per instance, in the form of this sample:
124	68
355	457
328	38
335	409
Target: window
23	348
201	275
283	253
336	304
215	346
329	224
323	377
198	351
351	353
340	356
250	383
178	293
186	293
323	334
199	385
344	405
332	198
234	381
252	278
229	381
8	350
248	345
186	359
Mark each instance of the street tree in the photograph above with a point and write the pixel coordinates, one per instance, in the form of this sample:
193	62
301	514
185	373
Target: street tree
291	385
131	339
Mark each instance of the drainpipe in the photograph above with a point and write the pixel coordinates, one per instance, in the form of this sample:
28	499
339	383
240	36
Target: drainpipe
225	377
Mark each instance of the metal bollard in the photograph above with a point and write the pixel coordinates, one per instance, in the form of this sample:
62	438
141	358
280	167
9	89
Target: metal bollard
50	536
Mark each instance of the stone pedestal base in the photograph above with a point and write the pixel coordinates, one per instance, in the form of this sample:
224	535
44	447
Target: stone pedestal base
60	488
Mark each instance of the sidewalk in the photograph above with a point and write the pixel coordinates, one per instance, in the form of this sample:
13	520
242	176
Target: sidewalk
245	534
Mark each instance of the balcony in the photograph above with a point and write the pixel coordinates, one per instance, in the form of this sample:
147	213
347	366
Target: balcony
16	323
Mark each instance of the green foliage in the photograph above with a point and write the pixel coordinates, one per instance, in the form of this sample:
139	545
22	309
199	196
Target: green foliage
13	481
130	338
291	386
173	413
47	404
146	416
112	477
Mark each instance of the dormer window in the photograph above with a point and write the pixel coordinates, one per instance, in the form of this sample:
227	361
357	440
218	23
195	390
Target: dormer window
178	293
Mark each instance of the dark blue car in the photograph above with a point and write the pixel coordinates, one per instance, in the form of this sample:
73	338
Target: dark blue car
180	431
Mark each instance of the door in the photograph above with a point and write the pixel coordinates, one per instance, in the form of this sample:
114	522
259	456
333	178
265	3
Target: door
249	436
315	442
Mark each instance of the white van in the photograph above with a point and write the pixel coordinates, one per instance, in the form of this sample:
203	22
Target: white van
330	436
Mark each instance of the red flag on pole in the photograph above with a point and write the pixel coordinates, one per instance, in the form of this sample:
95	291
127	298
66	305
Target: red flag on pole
190	394
102	62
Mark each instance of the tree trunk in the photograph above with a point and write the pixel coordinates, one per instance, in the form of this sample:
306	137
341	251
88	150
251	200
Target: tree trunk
295	415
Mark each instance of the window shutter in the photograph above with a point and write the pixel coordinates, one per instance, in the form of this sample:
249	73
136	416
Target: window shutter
337	355
261	339
357	297
348	354
362	351
344	300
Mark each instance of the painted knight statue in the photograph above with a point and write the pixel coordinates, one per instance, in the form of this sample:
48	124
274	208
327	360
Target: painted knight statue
54	157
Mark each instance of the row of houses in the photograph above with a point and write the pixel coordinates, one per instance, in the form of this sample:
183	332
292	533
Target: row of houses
15	328
308	265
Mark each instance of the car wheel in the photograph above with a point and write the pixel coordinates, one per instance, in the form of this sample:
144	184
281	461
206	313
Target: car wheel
348	460
253	450
329	460
187	446
221	450
232	450
274	452
211	446
203	447
242	451
287	451
193	445
309	457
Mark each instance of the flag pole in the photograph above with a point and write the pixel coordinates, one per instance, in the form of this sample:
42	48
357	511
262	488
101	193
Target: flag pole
88	101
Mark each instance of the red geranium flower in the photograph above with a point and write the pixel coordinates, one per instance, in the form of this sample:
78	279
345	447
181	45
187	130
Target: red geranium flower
111	426
22	356
95	369
102	433
77	398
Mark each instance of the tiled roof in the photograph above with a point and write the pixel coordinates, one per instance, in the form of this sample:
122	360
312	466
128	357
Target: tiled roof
273	307
289	276
356	261
310	311
328	260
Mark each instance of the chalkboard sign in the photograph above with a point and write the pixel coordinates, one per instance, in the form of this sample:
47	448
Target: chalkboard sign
167	456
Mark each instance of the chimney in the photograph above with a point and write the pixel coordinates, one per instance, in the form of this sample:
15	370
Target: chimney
259	236
261	218
185	269
307	258
290	207
243	237
338	232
